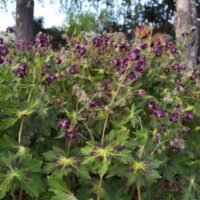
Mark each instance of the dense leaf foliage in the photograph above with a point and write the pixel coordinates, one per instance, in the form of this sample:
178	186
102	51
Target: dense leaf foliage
101	118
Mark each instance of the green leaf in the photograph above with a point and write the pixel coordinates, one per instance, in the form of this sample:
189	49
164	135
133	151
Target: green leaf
104	168
7	123
63	196
59	187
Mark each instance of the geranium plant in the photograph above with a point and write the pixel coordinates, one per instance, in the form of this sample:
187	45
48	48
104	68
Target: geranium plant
100	118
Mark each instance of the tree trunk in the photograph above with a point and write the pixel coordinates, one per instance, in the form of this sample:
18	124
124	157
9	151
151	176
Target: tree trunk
186	22
24	20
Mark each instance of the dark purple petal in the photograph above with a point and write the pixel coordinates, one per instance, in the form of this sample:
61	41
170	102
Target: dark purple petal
64	123
10	30
106	86
194	75
94	104
100	41
157	50
58	60
166	70
42	40
72	134
123	48
182	88
116	62
73	69
188	116
151	104
50	78
1	60
21	70
134	54
81	50
173	117
159	112
3	50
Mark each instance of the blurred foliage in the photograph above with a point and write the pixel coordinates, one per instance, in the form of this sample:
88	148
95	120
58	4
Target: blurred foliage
80	22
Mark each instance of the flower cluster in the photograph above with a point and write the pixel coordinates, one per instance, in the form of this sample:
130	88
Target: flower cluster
24	45
3	52
21	70
71	132
173	117
42	39
100	41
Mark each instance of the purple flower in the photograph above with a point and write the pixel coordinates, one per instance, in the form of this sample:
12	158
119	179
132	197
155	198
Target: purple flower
24	44
173	117
1	60
106	86
3	50
21	70
42	40
50	78
46	68
151	104
157	50
173	50
194	75
10	30
159	112
64	123
188	116
100	41
73	69
182	88
58	60
81	50
48	65
94	104
123	48
166	70
139	68
144	45
177	79
116	62
126	61
72	134
134	54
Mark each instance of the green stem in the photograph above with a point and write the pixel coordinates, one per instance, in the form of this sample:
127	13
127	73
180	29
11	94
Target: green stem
110	106
104	128
158	146
22	121
13	195
99	188
68	148
20	131
138	188
91	135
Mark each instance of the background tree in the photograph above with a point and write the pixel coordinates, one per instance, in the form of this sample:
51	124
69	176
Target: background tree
24	19
186	22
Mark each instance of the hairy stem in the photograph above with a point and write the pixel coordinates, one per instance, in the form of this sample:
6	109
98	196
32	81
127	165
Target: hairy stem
110	106
99	188
68	148
157	146
89	131
138	188
20	131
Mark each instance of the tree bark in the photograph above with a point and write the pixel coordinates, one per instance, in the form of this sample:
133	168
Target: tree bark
186	22
24	20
